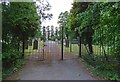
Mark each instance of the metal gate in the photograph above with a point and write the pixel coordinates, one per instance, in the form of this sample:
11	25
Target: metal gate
47	50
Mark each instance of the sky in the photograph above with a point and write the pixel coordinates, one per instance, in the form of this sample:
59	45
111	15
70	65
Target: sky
58	6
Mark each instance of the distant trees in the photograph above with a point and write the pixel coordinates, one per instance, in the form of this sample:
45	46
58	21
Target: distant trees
48	32
65	23
52	32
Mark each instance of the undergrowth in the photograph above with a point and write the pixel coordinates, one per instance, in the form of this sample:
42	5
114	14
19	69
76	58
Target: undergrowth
100	67
14	68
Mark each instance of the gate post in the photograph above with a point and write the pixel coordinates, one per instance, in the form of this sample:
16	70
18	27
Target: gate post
44	38
62	45
79	46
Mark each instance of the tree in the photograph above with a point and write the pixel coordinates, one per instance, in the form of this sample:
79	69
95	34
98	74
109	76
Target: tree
42	8
103	19
76	20
64	22
52	32
48	32
20	21
19	25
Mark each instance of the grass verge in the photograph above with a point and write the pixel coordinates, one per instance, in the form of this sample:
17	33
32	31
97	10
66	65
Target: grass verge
30	50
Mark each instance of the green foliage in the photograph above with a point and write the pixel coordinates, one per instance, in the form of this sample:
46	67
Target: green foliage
107	71
14	68
104	19
20	21
65	23
10	54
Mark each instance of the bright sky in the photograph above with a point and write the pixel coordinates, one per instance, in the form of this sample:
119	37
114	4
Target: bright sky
58	6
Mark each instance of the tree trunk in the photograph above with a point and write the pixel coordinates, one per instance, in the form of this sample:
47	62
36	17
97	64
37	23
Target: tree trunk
70	46
30	42
23	47
67	43
18	45
106	58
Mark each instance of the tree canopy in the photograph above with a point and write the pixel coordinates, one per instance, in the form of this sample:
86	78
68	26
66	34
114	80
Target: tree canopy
103	18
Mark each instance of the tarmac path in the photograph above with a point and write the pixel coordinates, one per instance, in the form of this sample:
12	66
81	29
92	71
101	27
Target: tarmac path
53	68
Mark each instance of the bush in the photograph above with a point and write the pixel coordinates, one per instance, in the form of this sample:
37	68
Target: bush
9	56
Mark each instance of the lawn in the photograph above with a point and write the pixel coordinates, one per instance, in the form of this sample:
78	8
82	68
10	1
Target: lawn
30	50
98	50
75	49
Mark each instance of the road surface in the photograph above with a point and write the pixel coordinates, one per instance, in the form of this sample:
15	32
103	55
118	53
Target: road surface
52	68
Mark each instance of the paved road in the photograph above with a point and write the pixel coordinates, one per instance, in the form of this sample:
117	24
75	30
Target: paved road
53	68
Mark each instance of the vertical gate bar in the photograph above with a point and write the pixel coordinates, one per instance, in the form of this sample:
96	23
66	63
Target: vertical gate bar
62	45
23	47
95	42
79	46
70	47
101	53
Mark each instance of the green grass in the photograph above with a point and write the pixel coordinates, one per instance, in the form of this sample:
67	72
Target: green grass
30	50
40	44
66	49
75	48
98	50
